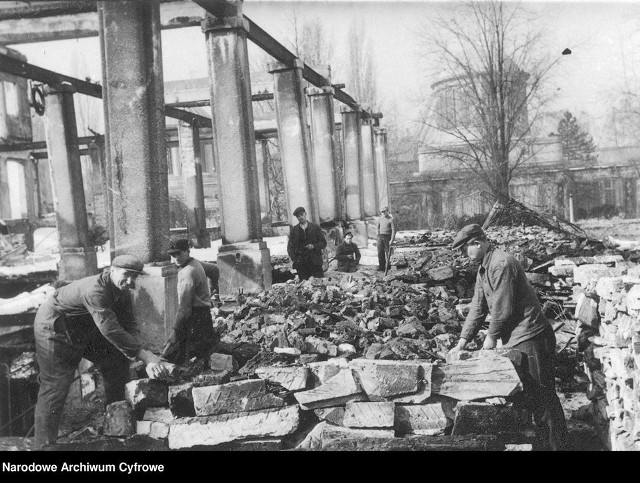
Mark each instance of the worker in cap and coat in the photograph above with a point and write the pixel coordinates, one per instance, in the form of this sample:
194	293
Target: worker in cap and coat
90	318
502	290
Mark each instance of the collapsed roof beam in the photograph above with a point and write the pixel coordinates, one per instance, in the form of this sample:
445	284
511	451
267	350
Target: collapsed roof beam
20	68
279	52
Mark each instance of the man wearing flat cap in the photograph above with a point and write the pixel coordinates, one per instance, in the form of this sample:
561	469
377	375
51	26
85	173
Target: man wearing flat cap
305	245
193	330
90	318
502	290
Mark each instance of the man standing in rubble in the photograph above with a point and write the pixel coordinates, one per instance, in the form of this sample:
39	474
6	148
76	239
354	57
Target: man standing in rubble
90	318
503	290
306	242
193	333
386	237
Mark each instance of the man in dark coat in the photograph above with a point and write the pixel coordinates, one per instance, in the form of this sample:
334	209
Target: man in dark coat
306	242
502	289
90	318
348	254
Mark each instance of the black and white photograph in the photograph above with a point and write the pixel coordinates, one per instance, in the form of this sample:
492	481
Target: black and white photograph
303	226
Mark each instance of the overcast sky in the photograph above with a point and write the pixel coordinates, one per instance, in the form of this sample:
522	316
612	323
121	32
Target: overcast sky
603	36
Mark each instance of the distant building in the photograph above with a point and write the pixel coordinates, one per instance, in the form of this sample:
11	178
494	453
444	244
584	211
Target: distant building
429	191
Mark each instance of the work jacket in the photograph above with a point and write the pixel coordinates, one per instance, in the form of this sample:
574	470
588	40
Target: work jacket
502	289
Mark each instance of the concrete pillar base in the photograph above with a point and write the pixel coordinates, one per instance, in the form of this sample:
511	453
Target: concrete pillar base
359	230
245	267
155	304
77	262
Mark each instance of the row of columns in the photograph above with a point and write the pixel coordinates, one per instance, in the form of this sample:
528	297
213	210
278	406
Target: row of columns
136	168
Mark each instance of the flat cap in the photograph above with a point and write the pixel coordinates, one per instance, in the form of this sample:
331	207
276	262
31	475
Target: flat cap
467	233
298	211
128	262
180	245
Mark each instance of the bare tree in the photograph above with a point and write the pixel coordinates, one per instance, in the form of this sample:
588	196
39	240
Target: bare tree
362	78
488	97
310	41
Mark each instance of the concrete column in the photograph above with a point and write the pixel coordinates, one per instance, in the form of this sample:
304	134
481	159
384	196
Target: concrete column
294	137
136	125
134	104
244	260
107	165
369	189
98	170
324	152
263	180
189	140
77	255
382	177
352	164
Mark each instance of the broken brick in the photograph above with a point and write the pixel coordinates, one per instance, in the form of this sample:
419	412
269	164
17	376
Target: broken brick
153	429
316	345
587	311
146	393
250	395
159	415
222	362
119	419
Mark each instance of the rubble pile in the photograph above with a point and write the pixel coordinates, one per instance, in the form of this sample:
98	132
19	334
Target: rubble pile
375	318
608	310
339	403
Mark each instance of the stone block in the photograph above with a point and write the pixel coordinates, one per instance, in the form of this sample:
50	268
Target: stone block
337	391
423	393
369	415
181	400
211	378
293	378
382	378
146	393
234	397
482	418
153	429
440	274
587	311
119	419
316	345
584	274
333	415
562	271
411	328
222	362
213	430
159	415
321	372
427	419
633	298
608	287
476	378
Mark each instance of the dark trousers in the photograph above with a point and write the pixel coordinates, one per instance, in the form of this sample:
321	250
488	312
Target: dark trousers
58	354
305	271
383	249
536	370
198	337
